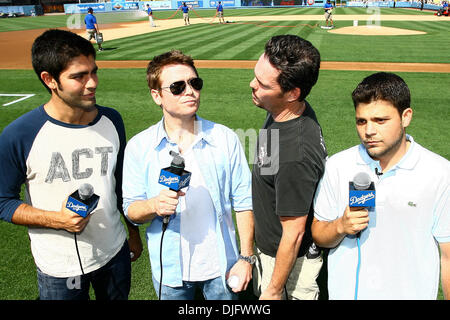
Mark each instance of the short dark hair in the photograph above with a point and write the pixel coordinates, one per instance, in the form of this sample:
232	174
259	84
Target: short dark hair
54	49
383	86
90	10
168	58
297	60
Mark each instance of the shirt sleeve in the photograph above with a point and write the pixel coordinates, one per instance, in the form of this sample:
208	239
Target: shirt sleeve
241	179
326	200
441	225
133	182
15	144
12	176
295	184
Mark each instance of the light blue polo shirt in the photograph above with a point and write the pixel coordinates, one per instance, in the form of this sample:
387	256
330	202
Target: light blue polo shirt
399	249
225	171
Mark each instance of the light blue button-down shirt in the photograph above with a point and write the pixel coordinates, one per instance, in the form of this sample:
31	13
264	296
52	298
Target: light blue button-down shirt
226	173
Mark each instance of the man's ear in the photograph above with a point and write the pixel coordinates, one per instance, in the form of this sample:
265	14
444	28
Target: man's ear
49	80
294	94
407	117
156	96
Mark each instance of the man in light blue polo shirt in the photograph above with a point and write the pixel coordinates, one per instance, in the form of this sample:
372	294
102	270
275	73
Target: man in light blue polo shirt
199	245
390	251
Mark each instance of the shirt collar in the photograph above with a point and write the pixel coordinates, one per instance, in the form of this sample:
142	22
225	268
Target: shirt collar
204	127
408	161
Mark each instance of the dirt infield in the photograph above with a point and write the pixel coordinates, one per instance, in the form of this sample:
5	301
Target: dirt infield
325	65
16	45
369	30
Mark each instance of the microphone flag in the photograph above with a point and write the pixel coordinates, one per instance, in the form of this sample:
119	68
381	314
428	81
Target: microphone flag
361	191
83	201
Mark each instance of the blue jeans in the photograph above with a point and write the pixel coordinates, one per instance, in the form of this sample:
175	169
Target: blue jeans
212	290
110	282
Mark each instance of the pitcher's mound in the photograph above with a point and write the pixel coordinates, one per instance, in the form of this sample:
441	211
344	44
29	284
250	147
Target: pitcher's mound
375	31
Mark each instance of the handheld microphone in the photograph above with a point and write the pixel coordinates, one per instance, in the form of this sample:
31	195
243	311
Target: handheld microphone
83	201
361	191
361	194
174	177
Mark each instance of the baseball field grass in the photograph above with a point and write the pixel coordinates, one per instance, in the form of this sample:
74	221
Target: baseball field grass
226	98
58	21
243	41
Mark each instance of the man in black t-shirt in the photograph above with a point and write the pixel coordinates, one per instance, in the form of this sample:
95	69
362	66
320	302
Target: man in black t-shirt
288	166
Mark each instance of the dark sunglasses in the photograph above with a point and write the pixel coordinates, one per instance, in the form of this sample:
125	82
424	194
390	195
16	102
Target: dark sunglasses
178	87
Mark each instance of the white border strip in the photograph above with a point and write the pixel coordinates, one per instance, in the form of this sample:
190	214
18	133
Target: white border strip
24	96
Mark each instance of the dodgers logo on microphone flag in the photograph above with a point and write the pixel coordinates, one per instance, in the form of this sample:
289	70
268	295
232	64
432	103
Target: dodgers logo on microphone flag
361	191
82	207
361	198
174	181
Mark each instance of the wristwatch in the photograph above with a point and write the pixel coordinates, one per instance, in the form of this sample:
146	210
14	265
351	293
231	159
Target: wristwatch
249	259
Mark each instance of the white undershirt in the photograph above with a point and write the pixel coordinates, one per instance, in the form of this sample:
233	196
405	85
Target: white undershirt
199	250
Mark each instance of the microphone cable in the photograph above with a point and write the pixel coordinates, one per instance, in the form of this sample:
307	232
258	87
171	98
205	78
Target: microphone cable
78	252
358	266
164	227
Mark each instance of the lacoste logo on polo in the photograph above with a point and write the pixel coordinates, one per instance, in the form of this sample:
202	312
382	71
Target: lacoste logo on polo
412	204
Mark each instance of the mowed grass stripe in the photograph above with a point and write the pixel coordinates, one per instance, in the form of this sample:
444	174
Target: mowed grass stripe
206	41
26	23
138	47
249	45
254	46
200	37
231	40
209	41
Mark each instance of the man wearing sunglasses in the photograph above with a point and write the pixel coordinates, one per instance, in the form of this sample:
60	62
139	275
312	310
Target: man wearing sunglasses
199	248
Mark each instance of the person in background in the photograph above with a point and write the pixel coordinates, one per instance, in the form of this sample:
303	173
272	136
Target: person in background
150	16
219	11
92	27
185	10
328	7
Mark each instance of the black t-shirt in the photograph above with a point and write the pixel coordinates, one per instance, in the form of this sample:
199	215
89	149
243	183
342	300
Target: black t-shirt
289	163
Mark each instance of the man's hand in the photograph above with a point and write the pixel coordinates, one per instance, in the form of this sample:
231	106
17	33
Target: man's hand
354	220
69	220
243	270
167	201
